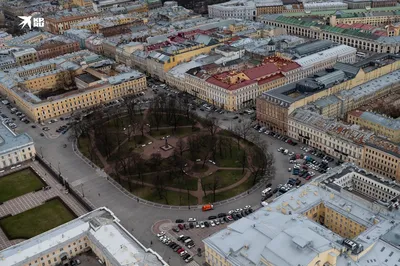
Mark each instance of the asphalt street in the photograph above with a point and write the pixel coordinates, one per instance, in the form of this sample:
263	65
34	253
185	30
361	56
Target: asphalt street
135	216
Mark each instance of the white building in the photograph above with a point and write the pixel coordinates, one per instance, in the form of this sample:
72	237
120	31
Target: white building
240	9
14	148
327	58
99	231
324	6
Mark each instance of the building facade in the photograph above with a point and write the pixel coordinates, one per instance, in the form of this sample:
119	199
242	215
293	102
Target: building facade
90	232
14	148
382	157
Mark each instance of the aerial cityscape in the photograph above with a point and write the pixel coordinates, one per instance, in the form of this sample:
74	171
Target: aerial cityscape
200	133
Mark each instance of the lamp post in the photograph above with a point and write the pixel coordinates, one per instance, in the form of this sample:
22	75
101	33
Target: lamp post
41	151
83	194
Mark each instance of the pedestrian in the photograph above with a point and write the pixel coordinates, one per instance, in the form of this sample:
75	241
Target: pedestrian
248	192
151	243
137	199
99	194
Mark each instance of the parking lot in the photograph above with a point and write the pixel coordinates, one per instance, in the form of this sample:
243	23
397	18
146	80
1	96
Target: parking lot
185	236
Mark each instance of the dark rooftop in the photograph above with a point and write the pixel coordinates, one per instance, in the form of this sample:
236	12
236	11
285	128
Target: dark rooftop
88	78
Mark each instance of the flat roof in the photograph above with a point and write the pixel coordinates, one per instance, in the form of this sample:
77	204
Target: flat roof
10	141
114	241
88	78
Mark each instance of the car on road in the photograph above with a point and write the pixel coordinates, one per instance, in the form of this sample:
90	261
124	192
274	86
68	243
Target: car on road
175	229
183	253
189	259
186	226
207	224
160	234
180	226
212	223
192	220
212	217
235	117
221	215
41	134
179	221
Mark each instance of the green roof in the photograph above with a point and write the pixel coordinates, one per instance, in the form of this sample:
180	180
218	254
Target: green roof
344	13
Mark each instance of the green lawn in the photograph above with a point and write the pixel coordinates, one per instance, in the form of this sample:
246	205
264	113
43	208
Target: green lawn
198	168
225	177
230	193
18	184
186	182
150	194
37	220
229	158
83	146
180	131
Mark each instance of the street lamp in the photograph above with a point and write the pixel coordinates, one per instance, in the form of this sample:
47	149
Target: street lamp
83	194
41	151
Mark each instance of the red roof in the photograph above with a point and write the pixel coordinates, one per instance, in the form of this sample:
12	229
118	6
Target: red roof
269	79
230	87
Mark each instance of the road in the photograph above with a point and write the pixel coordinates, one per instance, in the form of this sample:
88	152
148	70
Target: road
135	216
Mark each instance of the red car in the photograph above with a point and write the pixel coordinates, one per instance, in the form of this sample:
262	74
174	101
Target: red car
180	226
180	250
308	177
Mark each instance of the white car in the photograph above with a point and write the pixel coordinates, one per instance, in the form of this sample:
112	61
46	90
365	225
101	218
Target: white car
197	225
150	143
216	221
202	225
198	160
144	145
212	223
183	253
247	207
161	234
192	220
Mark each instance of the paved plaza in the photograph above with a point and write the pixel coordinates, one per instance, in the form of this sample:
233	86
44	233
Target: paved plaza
35	199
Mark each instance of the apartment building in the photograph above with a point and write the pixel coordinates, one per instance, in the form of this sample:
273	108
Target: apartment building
14	148
56	46
342	141
98	231
381	124
29	86
344	217
380	18
25	56
382	157
62	20
233	9
314	30
351	84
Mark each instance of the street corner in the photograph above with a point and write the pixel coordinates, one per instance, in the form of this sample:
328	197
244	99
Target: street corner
162	226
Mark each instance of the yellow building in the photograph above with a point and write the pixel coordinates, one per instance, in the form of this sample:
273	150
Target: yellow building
83	3
382	157
28	87
380	124
25	57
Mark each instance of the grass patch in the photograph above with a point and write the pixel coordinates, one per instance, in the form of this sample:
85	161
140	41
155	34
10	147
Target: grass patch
150	194
37	220
230	157
84	148
179	132
18	184
184	183
229	193
225	178
198	168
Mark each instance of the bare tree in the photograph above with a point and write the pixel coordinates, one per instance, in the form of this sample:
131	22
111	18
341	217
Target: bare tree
212	125
242	130
214	186
181	145
203	187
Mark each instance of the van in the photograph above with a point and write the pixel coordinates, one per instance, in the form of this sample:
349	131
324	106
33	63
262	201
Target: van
265	191
207	207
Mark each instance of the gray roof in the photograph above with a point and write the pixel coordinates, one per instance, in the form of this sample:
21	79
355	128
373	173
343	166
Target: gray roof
312	47
10	141
381	120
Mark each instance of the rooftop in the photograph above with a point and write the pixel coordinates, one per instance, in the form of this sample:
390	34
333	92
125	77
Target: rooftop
262	234
103	229
379	119
10	141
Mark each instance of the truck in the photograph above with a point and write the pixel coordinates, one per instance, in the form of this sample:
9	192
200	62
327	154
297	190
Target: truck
207	207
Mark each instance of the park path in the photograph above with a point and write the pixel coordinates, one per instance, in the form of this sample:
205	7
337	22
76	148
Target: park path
199	193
